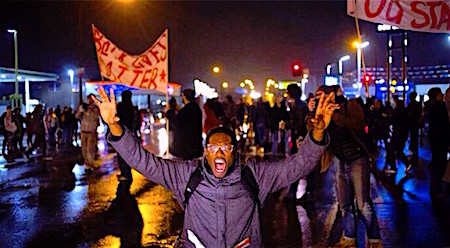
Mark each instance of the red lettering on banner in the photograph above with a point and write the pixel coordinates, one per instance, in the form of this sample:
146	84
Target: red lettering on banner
155	54
136	75
163	76
415	9
136	64
433	6
146	60
124	68
105	48
122	57
97	39
152	80
398	17
163	57
445	17
377	12
145	79
108	69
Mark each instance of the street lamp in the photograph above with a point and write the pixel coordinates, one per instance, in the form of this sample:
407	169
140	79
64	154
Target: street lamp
340	69
216	69
16	71
359	46
16	59
328	68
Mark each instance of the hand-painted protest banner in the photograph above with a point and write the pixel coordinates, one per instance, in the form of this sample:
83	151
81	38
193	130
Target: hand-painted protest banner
148	70
421	15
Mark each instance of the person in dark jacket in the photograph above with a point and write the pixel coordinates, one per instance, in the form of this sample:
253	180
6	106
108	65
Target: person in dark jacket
259	120
399	137
414	111
187	143
170	114
439	138
296	125
38	131
353	178
220	212
277	114
20	121
297	115
125	111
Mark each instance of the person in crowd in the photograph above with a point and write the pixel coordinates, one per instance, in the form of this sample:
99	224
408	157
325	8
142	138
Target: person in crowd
242	119
345	129
137	121
297	115
212	111
259	120
38	127
58	132
88	115
219	202
51	124
19	120
76	126
125	112
399	137
439	138
67	121
229	108
170	113
380	128
277	114
307	190
187	142
414	111
29	128
447	101
58	113
10	129
297	128
3	130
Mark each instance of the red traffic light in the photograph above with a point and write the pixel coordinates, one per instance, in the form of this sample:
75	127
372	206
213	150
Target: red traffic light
297	70
367	78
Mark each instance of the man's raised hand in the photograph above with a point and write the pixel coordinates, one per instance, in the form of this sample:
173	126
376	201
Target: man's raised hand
323	115
108	108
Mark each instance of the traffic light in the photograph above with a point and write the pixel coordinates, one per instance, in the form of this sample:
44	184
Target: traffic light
367	78
297	69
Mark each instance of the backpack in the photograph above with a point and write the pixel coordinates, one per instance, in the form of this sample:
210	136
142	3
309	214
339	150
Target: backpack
247	180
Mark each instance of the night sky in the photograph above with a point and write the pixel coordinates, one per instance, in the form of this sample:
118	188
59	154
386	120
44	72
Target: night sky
246	39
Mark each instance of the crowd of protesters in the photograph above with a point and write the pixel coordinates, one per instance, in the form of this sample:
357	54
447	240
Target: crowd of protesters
357	131
45	130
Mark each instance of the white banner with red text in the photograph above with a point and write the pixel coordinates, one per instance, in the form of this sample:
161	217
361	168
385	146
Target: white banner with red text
422	15
148	70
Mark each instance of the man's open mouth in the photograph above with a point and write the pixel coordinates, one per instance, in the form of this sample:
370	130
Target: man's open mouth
219	165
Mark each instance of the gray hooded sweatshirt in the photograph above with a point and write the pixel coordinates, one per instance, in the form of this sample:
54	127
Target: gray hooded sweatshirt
221	212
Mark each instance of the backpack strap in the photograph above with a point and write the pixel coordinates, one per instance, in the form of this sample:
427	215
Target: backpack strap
250	184
194	180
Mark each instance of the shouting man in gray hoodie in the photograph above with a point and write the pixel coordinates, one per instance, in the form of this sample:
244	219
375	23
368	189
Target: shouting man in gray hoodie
221	211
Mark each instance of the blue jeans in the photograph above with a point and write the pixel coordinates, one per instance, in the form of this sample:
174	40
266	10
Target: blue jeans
354	182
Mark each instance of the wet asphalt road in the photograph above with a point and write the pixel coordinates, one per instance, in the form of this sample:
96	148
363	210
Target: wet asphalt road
57	204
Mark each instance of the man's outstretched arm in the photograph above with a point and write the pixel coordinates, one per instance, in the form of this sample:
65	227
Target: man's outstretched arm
158	170
276	175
